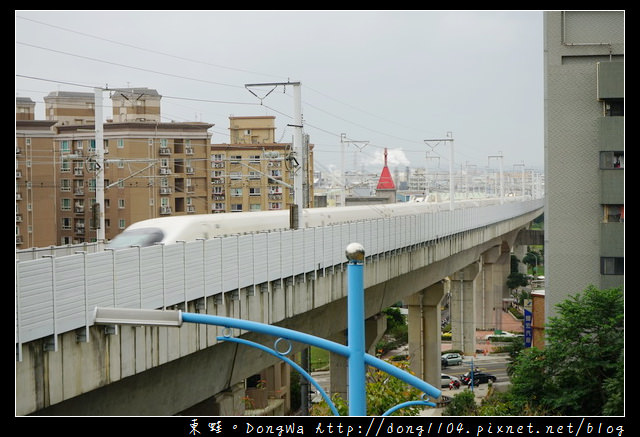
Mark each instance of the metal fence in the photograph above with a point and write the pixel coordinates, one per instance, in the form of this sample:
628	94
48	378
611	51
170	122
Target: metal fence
58	293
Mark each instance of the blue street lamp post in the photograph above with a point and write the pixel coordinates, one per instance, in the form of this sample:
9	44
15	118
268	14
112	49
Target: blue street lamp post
355	329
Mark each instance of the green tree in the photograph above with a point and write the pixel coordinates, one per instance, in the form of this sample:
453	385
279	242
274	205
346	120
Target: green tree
462	404
532	259
580	370
383	392
515	280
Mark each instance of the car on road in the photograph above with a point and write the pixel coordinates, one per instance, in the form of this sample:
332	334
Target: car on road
451	359
478	378
505	335
445	380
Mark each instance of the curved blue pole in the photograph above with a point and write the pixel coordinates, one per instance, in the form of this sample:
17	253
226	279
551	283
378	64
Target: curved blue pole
312	340
408	404
288	361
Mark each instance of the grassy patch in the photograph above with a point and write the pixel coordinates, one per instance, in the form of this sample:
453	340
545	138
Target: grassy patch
319	359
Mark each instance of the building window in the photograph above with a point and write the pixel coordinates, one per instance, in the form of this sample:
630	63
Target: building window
120	143
610	265
236	192
120	203
613	213
65	165
65	204
614	108
122	224
65	147
236	207
611	160
254	191
255	207
235	175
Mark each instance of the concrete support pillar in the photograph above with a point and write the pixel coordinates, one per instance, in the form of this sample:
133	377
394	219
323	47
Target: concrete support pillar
520	251
338	369
424	333
278	379
496	268
374	329
227	403
462	310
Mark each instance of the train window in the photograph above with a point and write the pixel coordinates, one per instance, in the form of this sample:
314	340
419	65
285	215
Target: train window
136	237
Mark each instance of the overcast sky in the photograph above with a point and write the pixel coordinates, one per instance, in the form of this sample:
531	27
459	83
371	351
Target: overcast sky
385	79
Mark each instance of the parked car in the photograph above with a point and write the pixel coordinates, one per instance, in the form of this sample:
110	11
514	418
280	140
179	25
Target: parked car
478	378
451	359
445	380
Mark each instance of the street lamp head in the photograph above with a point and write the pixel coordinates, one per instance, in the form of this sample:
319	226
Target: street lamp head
355	252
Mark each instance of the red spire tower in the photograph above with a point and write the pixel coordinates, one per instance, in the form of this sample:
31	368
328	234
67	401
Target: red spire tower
386	186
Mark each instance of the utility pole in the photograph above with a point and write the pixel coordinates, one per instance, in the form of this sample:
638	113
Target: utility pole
343	140
500	157
426	180
451	182
522	177
99	132
298	157
466	178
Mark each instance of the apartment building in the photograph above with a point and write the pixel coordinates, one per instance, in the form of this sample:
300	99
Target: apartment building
151	169
35	178
584	152
254	172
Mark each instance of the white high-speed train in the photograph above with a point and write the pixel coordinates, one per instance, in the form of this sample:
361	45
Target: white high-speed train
168	230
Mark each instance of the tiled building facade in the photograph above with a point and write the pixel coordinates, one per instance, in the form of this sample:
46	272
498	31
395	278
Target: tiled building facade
584	152
151	168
